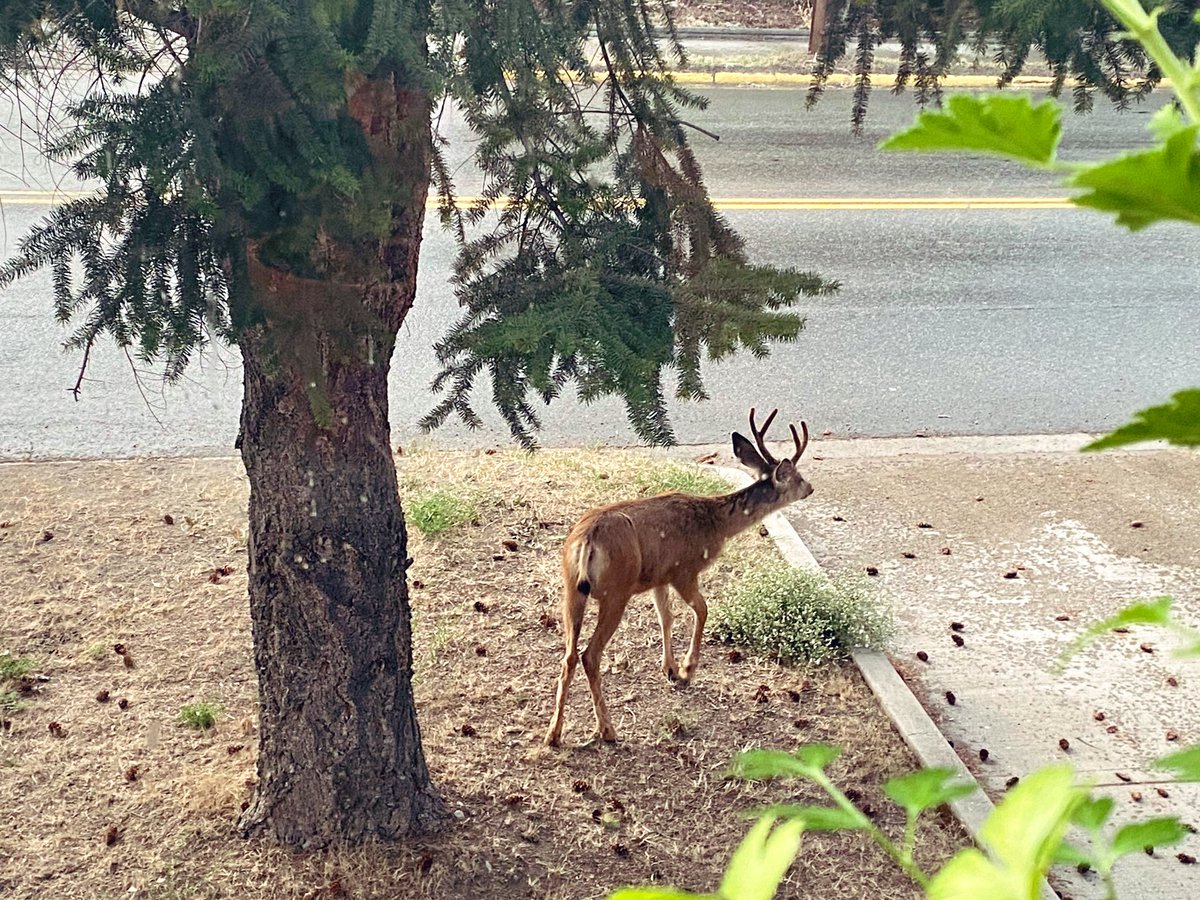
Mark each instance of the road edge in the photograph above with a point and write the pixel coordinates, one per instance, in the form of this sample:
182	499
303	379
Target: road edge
909	717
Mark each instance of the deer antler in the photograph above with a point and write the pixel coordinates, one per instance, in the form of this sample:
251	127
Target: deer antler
795	437
760	432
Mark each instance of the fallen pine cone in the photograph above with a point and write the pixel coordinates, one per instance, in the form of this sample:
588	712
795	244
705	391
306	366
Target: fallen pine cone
923	656
958	640
1064	744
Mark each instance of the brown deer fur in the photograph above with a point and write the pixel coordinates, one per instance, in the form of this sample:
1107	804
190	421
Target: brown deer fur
616	551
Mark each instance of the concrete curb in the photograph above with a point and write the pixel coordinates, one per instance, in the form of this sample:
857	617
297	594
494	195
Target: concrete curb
913	723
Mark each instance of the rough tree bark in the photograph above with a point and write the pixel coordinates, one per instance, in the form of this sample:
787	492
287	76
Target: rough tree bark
340	758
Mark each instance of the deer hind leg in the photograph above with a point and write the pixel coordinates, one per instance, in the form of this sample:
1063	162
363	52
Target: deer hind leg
574	604
662	604
612	608
690	592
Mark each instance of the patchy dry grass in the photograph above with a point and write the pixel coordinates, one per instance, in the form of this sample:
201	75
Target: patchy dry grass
122	799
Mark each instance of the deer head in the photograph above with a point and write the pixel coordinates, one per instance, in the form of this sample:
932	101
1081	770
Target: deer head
783	475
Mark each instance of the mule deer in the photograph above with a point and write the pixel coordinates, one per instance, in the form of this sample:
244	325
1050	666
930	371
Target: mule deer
616	551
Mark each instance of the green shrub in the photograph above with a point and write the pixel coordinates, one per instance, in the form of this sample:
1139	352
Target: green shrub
201	715
431	514
683	479
798	615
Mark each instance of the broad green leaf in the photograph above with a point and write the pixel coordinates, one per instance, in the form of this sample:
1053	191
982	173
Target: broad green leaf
1150	612
804	762
761	860
657	893
1185	764
817	756
1161	832
1000	124
1024	833
970	876
1177	422
1148	186
1093	812
818	818
919	791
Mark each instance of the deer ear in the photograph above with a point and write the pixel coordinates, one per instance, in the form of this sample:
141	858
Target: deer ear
748	456
785	471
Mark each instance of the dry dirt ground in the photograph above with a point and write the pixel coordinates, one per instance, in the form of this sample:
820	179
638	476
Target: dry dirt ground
743	13
126	801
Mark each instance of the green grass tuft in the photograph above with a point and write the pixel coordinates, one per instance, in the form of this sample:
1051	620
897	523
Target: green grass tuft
10	703
201	715
433	513
683	479
800	616
13	667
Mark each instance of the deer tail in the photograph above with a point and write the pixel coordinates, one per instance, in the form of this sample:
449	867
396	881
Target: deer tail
588	566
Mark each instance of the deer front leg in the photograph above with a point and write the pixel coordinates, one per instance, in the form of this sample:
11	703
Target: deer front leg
662	605
611	610
690	592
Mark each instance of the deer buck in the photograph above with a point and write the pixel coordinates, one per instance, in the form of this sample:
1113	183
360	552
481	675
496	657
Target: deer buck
616	551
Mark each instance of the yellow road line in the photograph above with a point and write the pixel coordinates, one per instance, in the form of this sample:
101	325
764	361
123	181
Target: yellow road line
760	204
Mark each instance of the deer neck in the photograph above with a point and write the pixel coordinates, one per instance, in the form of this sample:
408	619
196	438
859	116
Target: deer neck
749	506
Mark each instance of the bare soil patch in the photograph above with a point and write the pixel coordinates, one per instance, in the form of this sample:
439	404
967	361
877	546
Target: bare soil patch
743	13
121	799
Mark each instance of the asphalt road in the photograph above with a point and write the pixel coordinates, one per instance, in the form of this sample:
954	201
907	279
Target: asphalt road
955	321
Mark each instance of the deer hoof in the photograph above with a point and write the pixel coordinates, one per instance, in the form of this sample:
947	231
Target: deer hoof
552	738
671	672
608	734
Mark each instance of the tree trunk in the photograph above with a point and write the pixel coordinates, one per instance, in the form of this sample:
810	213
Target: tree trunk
340	758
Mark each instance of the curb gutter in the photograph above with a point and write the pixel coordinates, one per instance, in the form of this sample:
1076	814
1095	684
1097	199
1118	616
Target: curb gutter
910	718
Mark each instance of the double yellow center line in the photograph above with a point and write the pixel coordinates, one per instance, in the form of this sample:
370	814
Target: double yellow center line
725	204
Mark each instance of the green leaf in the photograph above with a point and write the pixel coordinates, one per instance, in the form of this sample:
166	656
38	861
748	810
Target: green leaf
1185	764
1151	612
970	876
1003	125
1177	422
1161	832
1024	835
1025	831
1069	855
656	893
1148	186
806	762
1093	812
818	818
761	860
919	791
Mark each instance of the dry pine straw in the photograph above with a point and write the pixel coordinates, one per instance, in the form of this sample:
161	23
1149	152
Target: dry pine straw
87	560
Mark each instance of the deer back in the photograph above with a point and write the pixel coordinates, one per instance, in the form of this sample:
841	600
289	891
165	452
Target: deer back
635	545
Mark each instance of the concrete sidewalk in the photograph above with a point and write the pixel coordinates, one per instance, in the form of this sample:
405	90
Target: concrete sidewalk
1064	524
